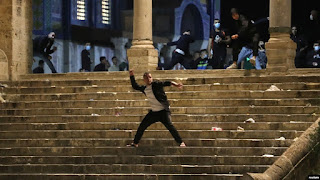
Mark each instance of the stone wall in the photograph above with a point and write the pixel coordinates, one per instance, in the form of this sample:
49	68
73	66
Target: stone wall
15	37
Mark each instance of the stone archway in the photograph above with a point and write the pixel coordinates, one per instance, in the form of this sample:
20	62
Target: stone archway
191	15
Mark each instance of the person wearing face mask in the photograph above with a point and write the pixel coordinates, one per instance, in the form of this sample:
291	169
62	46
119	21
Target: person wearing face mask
217	46
203	61
85	58
42	49
313	57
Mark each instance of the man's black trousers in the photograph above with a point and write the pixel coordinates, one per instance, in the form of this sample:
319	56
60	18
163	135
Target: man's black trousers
152	117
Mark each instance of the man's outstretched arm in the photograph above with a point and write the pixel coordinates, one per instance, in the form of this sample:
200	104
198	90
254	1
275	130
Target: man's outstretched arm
134	83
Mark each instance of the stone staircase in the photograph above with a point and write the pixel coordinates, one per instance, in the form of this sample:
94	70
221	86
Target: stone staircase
76	126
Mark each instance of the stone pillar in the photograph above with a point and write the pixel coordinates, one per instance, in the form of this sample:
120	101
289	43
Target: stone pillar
16	37
119	48
280	49
142	55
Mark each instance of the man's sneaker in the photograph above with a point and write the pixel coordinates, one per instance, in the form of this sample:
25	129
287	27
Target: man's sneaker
183	144
232	66
132	145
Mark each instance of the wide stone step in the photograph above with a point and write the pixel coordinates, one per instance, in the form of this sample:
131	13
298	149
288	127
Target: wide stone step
144	142
204	134
177	110
175	118
186	80
126	88
132	168
140	159
171	95
157	126
131	176
143	151
173	103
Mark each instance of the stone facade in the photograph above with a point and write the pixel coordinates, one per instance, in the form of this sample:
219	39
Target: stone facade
15	38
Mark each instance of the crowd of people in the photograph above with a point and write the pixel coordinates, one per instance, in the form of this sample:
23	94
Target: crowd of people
248	49
247	44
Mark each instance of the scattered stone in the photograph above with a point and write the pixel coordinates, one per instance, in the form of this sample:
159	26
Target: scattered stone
308	105
95	115
2	100
216	83
268	155
91	99
89	107
295	139
3	85
280	138
250	120
314	114
216	129
273	88
239	128
94	85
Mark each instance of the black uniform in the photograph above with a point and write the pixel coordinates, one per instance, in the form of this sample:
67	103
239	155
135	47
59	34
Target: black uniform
100	67
178	56
42	48
85	60
313	59
38	70
219	49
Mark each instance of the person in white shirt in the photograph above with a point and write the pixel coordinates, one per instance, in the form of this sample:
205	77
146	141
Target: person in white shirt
115	66
159	106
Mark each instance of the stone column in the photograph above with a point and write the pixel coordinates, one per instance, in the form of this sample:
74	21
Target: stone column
142	55
16	38
119	48
280	49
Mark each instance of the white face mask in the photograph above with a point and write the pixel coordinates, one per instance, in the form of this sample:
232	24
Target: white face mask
311	17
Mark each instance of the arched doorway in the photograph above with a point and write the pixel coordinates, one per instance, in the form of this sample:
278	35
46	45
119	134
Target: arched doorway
191	20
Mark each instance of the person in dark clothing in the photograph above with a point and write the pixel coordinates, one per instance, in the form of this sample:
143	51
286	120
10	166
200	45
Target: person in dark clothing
85	58
195	60
313	57
42	49
159	106
217	46
235	30
301	47
313	28
249	38
181	51
103	66
39	69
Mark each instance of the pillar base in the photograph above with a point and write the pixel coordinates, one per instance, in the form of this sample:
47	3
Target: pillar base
142	59
281	51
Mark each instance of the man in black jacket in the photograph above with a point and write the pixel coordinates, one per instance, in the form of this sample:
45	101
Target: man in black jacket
159	106
42	49
103	66
181	51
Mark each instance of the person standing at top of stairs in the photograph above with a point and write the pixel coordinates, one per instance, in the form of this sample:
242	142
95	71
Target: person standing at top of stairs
159	106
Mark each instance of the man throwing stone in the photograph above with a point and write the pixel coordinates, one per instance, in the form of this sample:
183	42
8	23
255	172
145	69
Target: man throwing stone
159	106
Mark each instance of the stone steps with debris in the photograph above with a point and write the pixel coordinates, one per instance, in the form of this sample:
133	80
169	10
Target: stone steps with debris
204	134
120	176
175	110
158	126
116	142
173	103
171	95
236	118
126	88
